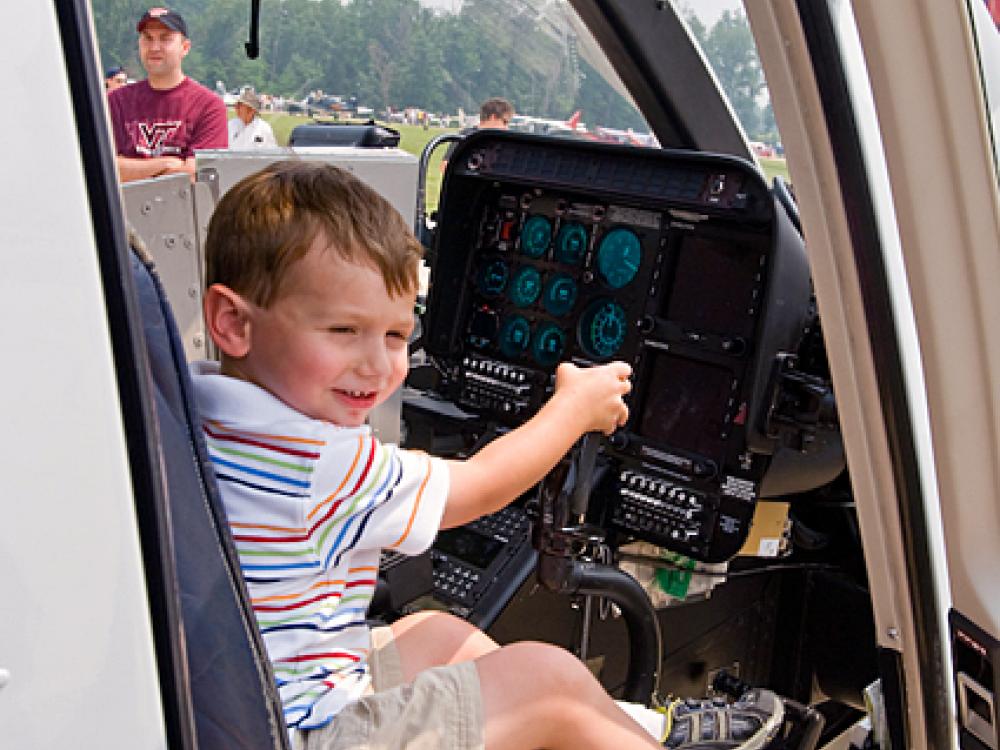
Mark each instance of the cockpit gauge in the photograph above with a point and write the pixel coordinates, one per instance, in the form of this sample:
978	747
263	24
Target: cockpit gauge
515	336
602	328
618	257
492	279
525	286
571	242
536	234
560	294
548	344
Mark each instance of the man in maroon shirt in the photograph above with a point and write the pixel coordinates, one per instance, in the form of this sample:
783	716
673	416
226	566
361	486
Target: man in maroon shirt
159	122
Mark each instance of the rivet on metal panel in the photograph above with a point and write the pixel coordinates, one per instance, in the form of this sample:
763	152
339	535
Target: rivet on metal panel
183	192
188	242
893	633
147	207
170	240
198	341
192	292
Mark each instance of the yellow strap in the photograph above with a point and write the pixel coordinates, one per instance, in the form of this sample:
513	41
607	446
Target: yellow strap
669	712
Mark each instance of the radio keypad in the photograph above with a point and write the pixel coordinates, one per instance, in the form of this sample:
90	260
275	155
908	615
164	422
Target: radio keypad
462	582
454	579
495	386
656	508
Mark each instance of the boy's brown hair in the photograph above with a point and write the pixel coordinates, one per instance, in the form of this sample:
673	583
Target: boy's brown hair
267	221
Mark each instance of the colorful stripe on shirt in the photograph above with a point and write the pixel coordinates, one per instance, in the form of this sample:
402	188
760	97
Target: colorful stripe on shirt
295	550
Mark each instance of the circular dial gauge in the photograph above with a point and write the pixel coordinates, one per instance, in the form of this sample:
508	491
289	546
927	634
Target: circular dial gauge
515	336
492	278
535	236
571	243
559	295
525	286
548	344
618	257
602	328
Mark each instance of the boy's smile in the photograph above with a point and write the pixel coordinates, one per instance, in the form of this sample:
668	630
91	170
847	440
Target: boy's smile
334	343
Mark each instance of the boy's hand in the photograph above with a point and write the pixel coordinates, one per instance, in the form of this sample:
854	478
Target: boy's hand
586	400
597	393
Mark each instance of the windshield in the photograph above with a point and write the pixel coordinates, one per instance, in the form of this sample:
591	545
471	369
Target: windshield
986	25
721	29
425	67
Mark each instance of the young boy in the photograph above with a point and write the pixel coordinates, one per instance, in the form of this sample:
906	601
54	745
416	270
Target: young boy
312	280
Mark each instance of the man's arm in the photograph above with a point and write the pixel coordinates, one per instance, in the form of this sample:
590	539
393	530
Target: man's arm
211	129
130	169
186	166
585	400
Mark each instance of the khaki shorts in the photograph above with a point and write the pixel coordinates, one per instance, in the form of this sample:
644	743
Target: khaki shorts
440	710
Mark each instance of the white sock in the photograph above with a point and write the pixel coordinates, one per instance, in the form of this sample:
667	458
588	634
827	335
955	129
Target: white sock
652	721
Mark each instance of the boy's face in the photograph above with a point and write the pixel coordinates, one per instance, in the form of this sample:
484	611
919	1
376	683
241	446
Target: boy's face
334	344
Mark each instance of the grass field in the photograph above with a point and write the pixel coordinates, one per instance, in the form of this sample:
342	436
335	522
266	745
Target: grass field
413	138
774	168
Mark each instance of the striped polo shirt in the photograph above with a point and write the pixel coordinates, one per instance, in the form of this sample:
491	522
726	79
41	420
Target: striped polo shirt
311	505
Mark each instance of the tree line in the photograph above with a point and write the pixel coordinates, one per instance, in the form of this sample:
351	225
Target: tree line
398	53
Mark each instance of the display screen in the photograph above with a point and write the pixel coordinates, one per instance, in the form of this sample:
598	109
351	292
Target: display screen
686	404
713	286
468	546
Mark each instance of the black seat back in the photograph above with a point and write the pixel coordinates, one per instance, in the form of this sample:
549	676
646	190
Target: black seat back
232	686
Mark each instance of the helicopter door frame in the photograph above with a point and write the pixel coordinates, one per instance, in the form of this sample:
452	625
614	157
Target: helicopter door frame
904	247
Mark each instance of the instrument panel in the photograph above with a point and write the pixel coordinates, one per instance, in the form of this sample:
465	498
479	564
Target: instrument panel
679	263
558	279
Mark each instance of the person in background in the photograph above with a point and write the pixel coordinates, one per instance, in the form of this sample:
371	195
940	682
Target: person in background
495	113
115	78
247	130
159	122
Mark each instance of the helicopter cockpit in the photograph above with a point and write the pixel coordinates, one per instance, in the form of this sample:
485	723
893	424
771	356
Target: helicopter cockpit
747	527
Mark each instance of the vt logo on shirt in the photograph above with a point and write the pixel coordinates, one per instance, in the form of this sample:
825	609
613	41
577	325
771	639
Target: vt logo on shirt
153	136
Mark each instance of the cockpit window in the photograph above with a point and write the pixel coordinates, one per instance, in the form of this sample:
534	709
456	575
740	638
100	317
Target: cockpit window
425	67
723	32
430	62
986	26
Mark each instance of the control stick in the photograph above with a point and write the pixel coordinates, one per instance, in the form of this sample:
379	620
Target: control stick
566	565
586	460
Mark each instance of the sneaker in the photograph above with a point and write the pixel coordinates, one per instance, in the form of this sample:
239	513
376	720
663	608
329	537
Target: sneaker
748	724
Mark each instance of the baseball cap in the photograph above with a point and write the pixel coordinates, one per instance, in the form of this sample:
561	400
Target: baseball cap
113	71
169	18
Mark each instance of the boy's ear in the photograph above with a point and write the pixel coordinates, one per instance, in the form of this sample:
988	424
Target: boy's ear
227	317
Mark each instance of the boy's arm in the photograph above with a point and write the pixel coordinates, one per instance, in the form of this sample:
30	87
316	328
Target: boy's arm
585	400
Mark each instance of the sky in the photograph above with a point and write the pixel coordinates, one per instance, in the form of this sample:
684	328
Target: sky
708	11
